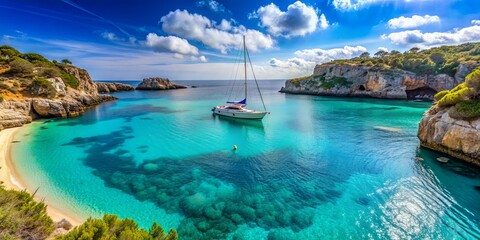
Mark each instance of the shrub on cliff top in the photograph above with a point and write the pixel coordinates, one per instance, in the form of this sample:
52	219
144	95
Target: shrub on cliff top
454	97
473	80
20	67
110	227
34	58
465	110
440	95
23	218
42	87
296	81
69	79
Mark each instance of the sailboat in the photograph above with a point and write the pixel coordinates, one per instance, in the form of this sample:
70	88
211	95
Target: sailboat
238	109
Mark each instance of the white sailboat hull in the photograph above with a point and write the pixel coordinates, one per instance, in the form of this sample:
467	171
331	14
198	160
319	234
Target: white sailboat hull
240	114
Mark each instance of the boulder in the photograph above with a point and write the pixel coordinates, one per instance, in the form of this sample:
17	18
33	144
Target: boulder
456	137
156	83
49	108
104	87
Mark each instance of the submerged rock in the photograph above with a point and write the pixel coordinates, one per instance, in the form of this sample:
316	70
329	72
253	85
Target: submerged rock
388	129
156	83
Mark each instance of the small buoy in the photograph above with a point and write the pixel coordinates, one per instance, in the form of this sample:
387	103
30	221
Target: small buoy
419	158
234	147
443	159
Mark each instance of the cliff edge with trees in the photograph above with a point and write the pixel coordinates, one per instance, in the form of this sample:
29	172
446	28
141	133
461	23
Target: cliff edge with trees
414	74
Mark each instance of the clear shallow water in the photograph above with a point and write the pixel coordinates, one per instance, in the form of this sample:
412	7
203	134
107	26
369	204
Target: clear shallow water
317	167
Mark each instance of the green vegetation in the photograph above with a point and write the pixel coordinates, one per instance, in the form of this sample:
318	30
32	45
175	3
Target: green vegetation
440	95
69	79
42	87
20	67
23	69
466	109
464	98
335	82
66	61
23	218
439	60
296	81
110	227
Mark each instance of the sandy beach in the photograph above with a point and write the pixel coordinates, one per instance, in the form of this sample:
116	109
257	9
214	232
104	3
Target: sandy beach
12	180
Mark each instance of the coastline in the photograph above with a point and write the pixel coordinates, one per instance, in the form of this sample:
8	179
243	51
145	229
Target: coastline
12	180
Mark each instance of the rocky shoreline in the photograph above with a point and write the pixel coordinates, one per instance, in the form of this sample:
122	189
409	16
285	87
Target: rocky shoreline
350	80
68	102
104	87
458	138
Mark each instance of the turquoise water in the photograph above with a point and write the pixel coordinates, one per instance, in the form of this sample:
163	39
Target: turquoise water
315	168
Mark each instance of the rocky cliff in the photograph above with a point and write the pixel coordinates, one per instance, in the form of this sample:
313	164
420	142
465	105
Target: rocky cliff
46	98
344	79
104	87
459	138
452	124
156	83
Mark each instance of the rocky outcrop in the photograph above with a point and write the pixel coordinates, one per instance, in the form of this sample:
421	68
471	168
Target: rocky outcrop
458	138
65	102
104	87
158	84
371	81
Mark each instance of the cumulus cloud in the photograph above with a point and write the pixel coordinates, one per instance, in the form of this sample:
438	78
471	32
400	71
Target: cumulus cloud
170	44
306	59
412	22
383	49
475	22
353	5
349	5
323	23
199	28
109	36
212	5
298	20
420	39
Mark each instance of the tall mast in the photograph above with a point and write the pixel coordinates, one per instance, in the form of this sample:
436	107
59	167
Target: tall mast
245	66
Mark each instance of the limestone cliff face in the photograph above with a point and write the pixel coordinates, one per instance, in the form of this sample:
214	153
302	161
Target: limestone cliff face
367	81
68	102
458	138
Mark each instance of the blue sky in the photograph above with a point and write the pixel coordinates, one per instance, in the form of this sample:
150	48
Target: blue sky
117	40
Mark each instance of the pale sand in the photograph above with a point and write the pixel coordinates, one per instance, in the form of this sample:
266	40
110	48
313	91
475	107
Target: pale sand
12	180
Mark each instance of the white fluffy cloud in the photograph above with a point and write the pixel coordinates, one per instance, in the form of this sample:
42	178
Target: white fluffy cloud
383	49
199	28
475	22
412	22
318	55
298	20
353	5
420	39
305	60
170	44
323	23
349	5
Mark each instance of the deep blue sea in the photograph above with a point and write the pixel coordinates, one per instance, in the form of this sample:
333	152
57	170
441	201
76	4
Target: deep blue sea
315	168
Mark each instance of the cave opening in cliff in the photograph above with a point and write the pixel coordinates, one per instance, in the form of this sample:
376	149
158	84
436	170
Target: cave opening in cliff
361	88
423	93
